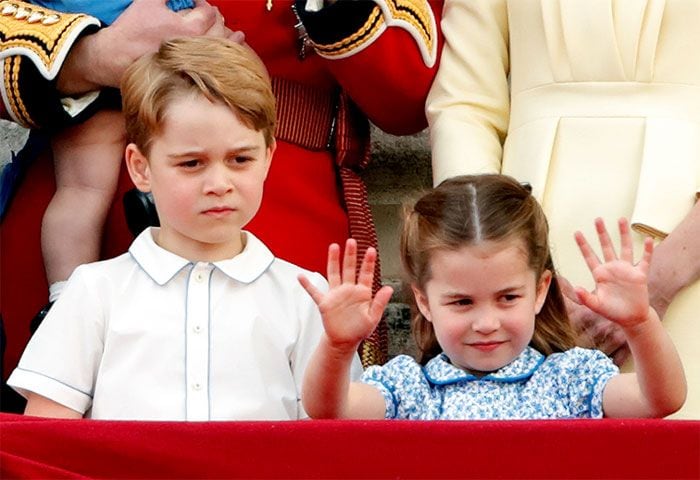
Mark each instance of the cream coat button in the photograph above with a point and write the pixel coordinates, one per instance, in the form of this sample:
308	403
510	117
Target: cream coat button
197	328
197	386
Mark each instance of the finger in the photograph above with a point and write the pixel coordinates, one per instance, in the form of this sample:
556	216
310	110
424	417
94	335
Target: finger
620	356
379	303
333	266
218	28
585	339
316	294
648	252
610	339
605	243
367	268
201	18
237	36
626	252
350	261
587	299
589	256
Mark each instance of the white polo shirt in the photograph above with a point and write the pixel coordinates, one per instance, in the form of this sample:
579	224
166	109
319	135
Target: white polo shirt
149	335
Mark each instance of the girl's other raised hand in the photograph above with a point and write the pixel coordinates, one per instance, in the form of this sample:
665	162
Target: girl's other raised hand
621	294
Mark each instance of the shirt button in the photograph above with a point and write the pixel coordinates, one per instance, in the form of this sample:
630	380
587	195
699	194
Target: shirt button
197	328
197	386
199	277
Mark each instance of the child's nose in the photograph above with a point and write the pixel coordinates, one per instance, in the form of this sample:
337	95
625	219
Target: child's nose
486	322
219	180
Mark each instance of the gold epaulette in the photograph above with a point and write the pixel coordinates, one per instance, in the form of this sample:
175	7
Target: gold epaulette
414	16
34	43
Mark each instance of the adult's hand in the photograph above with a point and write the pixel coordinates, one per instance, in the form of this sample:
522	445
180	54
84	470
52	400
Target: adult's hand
100	59
593	330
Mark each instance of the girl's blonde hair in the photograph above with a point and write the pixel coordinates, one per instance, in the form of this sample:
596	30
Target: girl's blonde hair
219	69
470	209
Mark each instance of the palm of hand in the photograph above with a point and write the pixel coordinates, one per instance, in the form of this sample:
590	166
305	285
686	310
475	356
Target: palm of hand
621	291
346	313
349	312
621	294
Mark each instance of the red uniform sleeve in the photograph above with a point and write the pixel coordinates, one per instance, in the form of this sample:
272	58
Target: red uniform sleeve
383	53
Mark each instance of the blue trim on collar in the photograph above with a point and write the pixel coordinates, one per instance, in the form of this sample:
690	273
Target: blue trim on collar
162	265
439	370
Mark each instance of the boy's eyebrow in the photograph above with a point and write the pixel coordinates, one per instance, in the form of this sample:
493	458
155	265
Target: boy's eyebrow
195	152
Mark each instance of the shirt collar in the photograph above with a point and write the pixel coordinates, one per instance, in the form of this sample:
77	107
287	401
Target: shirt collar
162	265
440	371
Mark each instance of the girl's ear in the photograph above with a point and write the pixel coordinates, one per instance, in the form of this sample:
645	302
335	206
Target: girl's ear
139	169
542	289
421	301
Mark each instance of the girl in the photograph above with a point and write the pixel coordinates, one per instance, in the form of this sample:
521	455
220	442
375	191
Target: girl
545	90
492	329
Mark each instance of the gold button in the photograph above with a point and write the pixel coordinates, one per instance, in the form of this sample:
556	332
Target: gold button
9	9
51	19
22	13
35	17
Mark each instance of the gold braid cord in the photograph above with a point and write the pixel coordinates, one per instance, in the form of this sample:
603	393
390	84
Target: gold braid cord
414	16
352	155
34	38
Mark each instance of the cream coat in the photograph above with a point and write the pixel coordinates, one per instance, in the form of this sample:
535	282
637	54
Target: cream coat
596	103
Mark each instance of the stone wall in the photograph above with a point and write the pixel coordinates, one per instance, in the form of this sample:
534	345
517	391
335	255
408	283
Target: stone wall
399	171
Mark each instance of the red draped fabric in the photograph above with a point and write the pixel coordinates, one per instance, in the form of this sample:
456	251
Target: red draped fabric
47	448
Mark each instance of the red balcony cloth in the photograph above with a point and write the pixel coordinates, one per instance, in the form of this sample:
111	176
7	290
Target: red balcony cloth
46	448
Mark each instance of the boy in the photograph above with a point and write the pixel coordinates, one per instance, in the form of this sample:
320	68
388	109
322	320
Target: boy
198	321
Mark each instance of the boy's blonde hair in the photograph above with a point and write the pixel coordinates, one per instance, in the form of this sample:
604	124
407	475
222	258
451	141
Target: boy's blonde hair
219	69
470	209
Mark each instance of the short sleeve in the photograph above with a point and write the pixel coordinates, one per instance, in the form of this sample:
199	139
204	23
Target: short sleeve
589	373
62	358
403	385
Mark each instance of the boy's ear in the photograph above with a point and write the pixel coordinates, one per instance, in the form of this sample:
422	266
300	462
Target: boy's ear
139	170
421	301
269	153
542	290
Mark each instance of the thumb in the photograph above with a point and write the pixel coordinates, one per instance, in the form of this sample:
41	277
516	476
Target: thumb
381	300
567	289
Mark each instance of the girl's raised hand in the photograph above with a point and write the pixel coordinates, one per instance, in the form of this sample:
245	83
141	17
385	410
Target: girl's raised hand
349	312
621	293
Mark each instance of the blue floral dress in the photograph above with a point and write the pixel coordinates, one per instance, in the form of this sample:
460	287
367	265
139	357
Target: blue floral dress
562	385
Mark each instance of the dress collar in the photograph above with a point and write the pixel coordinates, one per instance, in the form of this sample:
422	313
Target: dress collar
440	371
162	265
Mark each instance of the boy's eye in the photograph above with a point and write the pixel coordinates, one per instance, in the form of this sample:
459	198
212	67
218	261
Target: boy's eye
240	159
510	297
189	163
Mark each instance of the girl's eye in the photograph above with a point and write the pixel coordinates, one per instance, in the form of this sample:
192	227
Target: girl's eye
510	297
463	302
